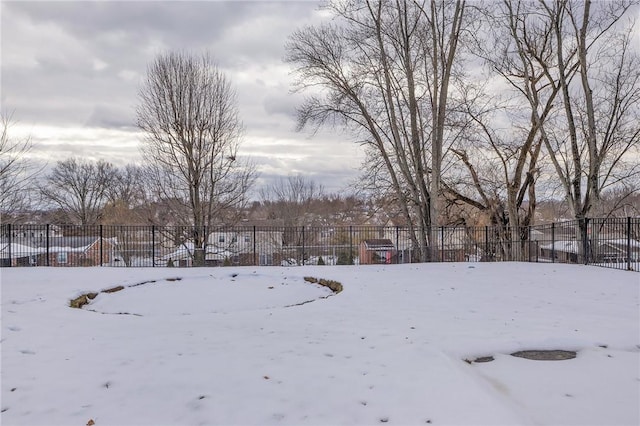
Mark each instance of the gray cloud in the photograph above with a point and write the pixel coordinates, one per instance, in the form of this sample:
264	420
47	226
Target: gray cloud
280	102
77	67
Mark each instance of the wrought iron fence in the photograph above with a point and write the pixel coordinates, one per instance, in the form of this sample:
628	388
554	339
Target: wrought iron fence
611	242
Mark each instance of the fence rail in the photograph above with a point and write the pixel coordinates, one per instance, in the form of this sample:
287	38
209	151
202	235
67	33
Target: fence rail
611	242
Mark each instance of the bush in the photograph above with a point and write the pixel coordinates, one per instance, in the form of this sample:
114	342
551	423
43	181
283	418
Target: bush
321	261
345	258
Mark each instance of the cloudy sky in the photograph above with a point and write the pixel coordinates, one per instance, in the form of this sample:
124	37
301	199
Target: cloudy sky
71	73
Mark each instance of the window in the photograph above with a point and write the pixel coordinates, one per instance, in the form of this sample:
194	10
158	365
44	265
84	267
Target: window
221	239
62	257
247	239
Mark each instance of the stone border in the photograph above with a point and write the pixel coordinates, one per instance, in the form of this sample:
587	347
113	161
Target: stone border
334	286
85	298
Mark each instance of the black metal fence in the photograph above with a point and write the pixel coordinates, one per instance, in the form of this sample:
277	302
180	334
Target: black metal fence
611	242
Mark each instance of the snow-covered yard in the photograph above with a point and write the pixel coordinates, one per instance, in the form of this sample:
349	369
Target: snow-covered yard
238	346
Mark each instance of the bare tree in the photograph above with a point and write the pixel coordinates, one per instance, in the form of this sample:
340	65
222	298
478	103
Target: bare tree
504	133
621	201
594	139
572	72
128	198
16	173
497	176
188	110
444	26
127	186
79	189
290	199
384	69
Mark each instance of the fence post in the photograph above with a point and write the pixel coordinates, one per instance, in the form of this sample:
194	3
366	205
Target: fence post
351	262
101	249
205	244
585	242
47	246
9	246
553	242
302	245
153	246
254	246
486	243
628	243
397	244
442	244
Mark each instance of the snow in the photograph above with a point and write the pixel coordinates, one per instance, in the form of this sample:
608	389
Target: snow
570	246
261	346
15	250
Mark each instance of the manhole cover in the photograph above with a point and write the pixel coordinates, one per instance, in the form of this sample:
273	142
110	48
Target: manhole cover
546	355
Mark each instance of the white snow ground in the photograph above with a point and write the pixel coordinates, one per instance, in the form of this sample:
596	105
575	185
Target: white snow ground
214	348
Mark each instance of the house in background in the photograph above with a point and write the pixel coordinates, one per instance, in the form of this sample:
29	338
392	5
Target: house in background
15	254
377	251
617	251
183	254
602	251
243	247
560	251
61	251
79	251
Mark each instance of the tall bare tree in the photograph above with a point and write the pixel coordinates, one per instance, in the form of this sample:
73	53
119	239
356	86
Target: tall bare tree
505	130
188	111
594	139
384	71
16	172
79	189
444	27
571	69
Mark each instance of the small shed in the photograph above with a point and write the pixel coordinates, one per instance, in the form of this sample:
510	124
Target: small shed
377	251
